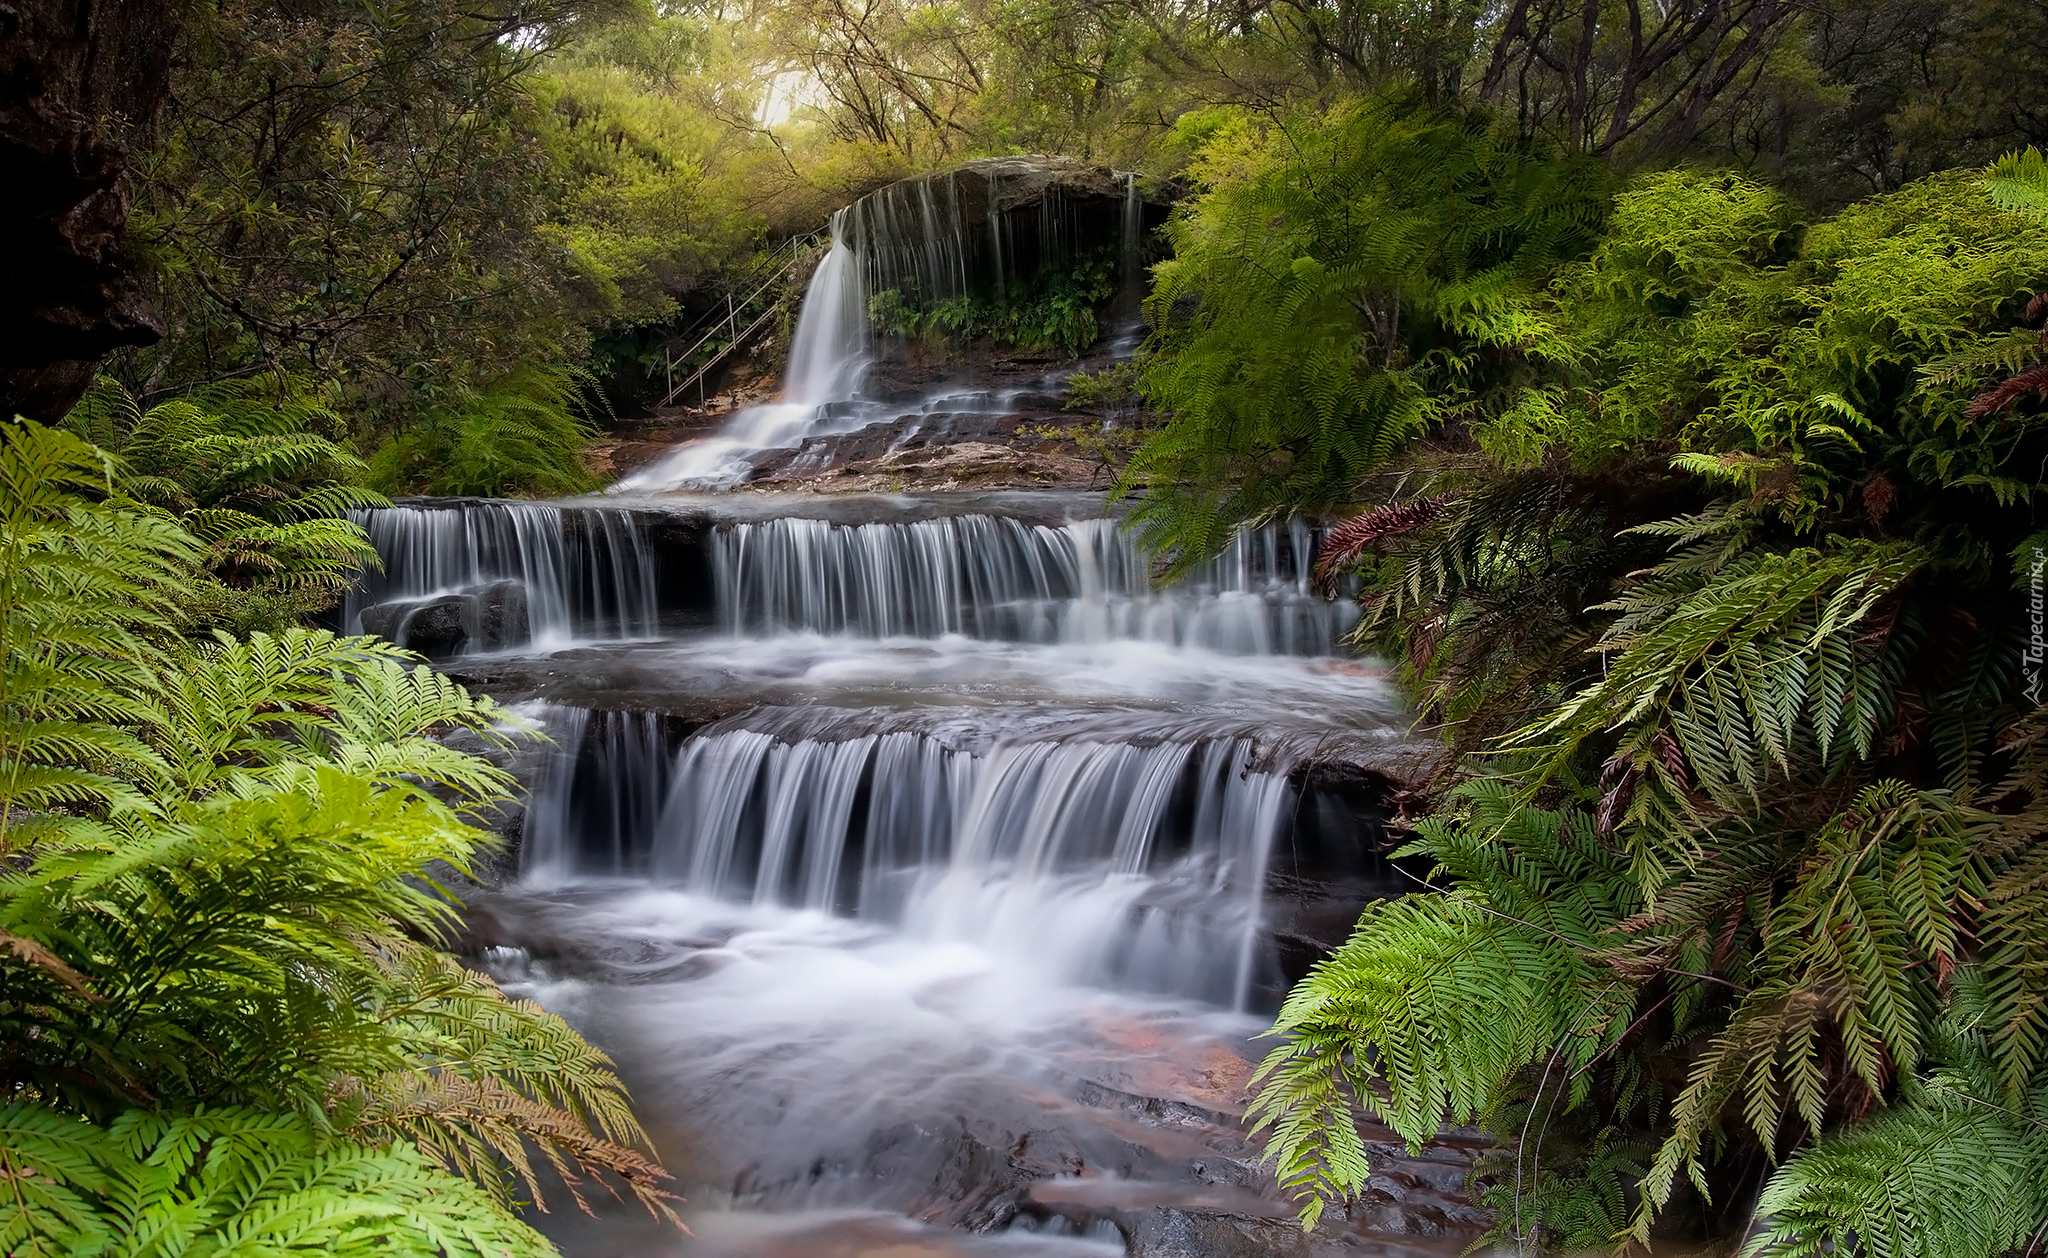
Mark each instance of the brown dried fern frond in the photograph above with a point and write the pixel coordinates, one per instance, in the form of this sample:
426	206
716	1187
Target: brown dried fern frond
480	1128
1343	544
498	1078
2033	380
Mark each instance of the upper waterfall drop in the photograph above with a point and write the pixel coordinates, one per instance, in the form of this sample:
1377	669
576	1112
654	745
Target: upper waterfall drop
948	250
827	355
831	341
459	577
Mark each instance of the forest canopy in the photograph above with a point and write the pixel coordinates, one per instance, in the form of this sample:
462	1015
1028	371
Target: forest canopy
443	213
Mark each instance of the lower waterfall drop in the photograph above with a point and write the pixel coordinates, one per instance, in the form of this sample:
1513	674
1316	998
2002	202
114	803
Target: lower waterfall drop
1130	866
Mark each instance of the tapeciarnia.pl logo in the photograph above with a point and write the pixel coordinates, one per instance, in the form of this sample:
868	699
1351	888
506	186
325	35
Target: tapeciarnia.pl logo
2037	626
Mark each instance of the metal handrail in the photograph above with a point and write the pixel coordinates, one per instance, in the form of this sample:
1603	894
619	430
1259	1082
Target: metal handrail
795	248
682	386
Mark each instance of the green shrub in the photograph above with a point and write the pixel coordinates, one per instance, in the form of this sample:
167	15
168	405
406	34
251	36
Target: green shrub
522	434
259	473
1741	848
218	865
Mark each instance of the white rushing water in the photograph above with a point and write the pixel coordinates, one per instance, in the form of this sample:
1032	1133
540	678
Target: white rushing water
1001	578
582	572
911	238
979	843
1123	865
922	863
827	355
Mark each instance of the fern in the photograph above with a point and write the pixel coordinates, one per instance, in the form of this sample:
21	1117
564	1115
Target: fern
1961	1172
242	466
1742	817
223	867
521	434
2019	182
1438	1004
233	1180
82	588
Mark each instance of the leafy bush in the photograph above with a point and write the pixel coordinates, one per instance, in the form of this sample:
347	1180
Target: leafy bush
233	1179
524	433
1350	281
1742	844
257	471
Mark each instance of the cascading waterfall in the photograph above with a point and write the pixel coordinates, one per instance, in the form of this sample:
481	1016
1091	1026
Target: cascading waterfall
1001	578
1125	864
598	792
912	878
827	355
578	572
913	239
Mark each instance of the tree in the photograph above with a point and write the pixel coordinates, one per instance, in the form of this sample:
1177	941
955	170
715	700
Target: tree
1351	281
82	80
351	191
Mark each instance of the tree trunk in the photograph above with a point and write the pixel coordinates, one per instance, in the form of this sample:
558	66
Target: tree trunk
81	82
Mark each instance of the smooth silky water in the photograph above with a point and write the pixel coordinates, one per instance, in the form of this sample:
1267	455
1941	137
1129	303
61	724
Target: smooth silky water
982	834
918	877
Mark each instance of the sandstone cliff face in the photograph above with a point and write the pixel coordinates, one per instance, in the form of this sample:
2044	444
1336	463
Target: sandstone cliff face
81	82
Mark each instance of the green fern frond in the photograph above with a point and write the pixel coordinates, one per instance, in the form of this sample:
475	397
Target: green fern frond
228	1180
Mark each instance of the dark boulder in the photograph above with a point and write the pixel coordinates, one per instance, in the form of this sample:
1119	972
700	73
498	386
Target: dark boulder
383	619
437	627
502	617
489	618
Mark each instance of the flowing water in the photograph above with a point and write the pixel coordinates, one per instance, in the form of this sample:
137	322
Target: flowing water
582	571
927	869
914	878
914	239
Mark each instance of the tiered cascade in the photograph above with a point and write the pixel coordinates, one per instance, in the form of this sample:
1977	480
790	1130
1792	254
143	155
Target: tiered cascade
886	840
1001	578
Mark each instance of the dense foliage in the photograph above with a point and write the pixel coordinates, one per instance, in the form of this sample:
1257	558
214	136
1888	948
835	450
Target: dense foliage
416	205
1708	548
1698	507
1350	282
261	475
1056	309
219	890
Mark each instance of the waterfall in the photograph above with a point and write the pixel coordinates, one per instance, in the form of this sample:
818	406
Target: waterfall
1133	228
1136	865
913	238
830	344
1001	578
556	574
827	355
598	791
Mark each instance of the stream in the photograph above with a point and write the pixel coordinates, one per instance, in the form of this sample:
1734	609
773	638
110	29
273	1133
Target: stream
928	871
